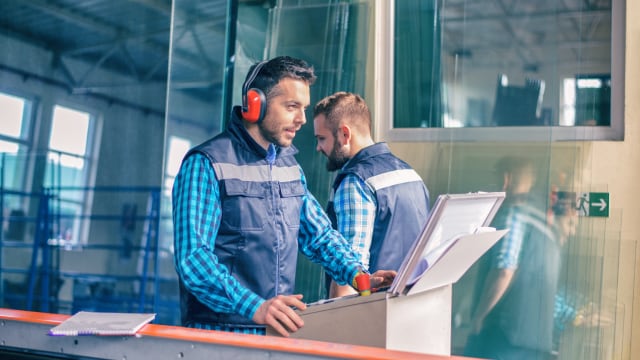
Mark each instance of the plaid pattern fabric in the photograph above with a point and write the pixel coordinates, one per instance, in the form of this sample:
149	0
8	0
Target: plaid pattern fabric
196	217
508	256
355	207
520	221
509	251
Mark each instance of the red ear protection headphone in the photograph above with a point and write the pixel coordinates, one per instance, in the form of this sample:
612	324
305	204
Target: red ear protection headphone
254	101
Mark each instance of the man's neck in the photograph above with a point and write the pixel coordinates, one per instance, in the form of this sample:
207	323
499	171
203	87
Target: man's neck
359	144
254	132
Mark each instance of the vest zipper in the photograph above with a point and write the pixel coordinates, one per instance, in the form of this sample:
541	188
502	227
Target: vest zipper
274	206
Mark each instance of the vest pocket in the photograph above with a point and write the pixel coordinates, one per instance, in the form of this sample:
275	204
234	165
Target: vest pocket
243	205
291	194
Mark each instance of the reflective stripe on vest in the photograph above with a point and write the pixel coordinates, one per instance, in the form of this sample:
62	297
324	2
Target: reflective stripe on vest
261	173
392	178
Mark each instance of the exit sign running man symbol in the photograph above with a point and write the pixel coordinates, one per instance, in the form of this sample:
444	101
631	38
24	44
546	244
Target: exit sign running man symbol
593	204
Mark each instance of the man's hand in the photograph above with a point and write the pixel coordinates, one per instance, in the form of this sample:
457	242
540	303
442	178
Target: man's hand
277	312
382	279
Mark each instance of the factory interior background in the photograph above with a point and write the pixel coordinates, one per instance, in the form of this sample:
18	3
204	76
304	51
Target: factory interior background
100	99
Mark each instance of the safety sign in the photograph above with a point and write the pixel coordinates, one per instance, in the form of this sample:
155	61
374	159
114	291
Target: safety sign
593	204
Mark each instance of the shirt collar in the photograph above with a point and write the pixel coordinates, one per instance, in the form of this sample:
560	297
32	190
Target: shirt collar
271	154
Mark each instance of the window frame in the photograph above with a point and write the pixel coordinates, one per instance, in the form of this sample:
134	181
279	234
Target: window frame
91	147
384	95
25	139
28	140
81	226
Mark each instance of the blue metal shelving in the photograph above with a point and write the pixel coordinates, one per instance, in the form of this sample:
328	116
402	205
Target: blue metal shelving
44	273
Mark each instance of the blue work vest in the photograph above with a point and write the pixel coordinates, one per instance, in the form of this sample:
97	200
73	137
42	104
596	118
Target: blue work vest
402	203
261	205
526	311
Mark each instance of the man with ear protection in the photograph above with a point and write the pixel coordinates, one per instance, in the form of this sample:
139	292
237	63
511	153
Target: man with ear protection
242	211
379	203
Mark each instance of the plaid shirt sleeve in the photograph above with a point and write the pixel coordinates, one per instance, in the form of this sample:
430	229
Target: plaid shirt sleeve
196	217
563	312
355	209
324	245
508	255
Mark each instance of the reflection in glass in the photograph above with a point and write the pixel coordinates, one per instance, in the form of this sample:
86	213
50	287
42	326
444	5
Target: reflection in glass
176	149
334	38
451	58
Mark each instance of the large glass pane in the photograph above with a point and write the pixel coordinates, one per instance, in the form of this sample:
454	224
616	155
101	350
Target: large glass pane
501	116
417	80
494	64
333	37
201	64
104	63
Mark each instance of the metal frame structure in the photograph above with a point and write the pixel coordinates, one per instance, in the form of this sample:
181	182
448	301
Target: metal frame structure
44	269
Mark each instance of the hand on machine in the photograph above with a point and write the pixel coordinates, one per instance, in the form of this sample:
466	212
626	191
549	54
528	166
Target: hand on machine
366	283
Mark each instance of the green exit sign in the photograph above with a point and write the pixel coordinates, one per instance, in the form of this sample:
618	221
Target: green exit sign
593	204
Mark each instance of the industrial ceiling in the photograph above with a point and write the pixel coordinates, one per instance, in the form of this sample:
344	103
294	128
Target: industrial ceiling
132	37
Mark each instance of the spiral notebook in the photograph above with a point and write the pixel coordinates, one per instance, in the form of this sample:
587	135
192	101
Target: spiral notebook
102	323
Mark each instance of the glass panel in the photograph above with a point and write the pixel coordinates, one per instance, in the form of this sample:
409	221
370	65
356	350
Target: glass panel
494	64
572	274
178	147
565	270
333	38
202	60
66	170
105	63
12	167
198	67
417	65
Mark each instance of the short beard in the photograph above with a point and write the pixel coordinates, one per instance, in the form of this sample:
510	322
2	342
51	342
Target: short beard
271	135
336	160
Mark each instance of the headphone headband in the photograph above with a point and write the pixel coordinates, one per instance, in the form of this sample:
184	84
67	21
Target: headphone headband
247	83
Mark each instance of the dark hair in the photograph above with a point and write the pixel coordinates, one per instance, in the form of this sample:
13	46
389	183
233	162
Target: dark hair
276	69
344	106
512	164
519	168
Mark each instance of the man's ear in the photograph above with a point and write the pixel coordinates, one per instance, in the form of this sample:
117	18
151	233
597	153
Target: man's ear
344	132
506	181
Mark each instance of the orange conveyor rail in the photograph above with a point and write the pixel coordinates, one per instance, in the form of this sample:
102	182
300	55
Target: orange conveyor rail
26	331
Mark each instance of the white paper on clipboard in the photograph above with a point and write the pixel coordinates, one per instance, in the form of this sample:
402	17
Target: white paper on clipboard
453	217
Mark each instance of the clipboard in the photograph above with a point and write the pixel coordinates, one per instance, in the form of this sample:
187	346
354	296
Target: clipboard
455	221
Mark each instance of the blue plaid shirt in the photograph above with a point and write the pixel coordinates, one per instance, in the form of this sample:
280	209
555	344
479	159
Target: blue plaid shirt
355	207
508	257
196	217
